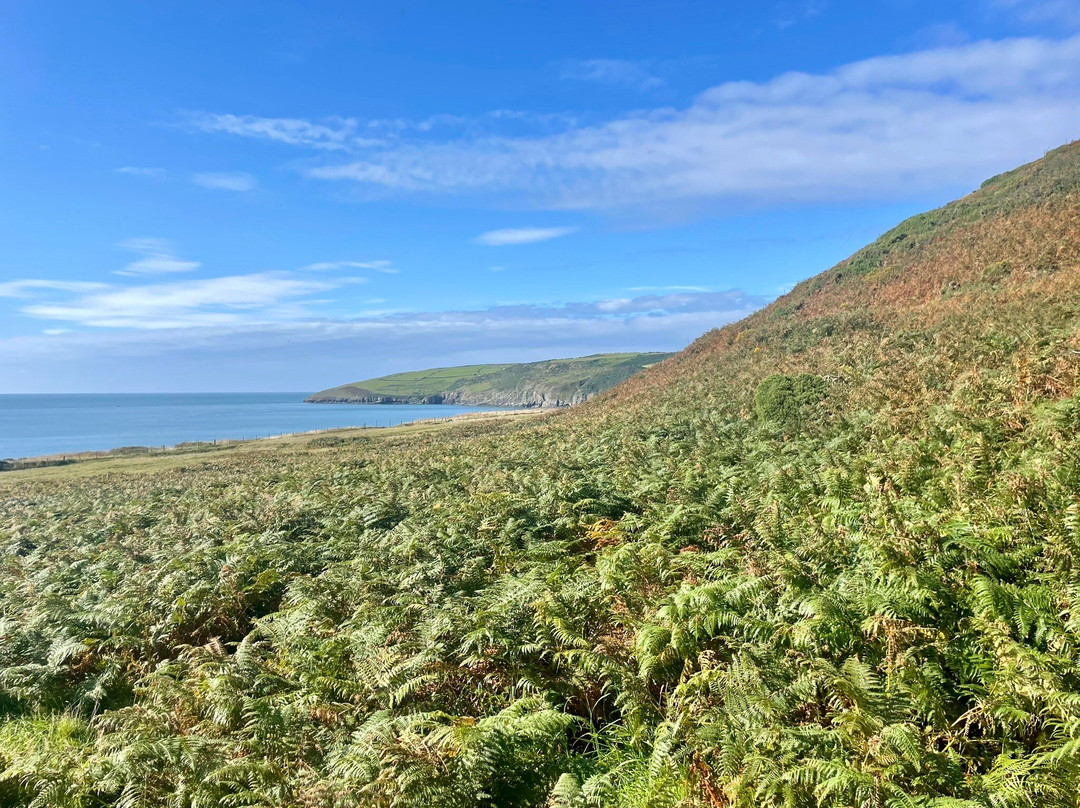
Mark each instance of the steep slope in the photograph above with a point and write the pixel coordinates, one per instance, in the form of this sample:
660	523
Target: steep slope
828	556
1004	253
551	383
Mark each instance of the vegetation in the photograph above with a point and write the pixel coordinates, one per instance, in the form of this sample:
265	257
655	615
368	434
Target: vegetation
552	383
660	598
787	400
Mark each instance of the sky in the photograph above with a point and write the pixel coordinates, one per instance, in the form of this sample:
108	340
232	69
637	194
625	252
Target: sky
226	196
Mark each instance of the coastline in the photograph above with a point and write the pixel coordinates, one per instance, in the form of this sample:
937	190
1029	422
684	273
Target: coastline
189	448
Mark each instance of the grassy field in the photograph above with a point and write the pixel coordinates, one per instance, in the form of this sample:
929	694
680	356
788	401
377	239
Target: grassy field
561	379
190	456
828	556
430	382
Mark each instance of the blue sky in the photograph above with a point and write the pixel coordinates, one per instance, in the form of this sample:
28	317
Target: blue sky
286	195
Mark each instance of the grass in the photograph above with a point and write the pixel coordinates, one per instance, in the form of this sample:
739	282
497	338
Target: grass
664	597
566	380
140	460
429	382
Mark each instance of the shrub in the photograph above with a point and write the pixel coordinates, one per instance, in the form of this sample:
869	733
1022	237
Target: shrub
784	400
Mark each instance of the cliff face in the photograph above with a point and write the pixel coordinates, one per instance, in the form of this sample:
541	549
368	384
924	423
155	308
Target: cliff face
521	397
554	383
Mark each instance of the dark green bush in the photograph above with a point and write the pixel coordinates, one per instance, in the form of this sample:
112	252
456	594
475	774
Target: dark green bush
785	400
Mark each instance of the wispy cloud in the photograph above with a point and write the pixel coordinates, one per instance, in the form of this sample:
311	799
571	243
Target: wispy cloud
880	128
230	300
218	180
616	72
380	265
334	133
28	287
317	352
669	289
348	134
522	235
226	181
158	258
142	171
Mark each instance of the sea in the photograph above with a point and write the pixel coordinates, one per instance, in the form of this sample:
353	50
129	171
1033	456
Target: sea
45	424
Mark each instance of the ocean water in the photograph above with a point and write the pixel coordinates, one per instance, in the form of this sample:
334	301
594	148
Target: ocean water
46	424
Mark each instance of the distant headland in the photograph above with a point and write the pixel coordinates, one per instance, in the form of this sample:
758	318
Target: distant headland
551	383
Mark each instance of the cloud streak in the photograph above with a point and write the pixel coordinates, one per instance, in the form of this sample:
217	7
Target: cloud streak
141	171
229	300
522	235
615	72
30	287
328	347
335	133
226	181
881	128
380	265
158	258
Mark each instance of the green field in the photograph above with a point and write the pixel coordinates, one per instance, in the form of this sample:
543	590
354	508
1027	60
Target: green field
560	381
146	460
430	382
827	556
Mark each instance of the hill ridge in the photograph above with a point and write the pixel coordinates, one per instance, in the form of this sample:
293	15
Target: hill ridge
875	284
546	383
826	556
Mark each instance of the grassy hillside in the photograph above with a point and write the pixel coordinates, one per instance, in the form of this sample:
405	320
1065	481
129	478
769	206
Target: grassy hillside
826	556
555	382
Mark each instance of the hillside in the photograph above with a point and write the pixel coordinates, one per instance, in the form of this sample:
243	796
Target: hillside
552	383
827	556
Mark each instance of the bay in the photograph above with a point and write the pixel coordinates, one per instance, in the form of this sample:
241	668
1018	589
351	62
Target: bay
47	424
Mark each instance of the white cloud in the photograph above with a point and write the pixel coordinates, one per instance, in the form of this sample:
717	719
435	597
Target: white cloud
226	181
234	301
139	171
617	72
670	289
347	134
380	265
237	348
877	129
336	133
615	304
158	258
230	300
26	288
522	235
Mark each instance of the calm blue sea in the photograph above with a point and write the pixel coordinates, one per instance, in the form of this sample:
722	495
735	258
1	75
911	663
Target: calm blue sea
32	425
